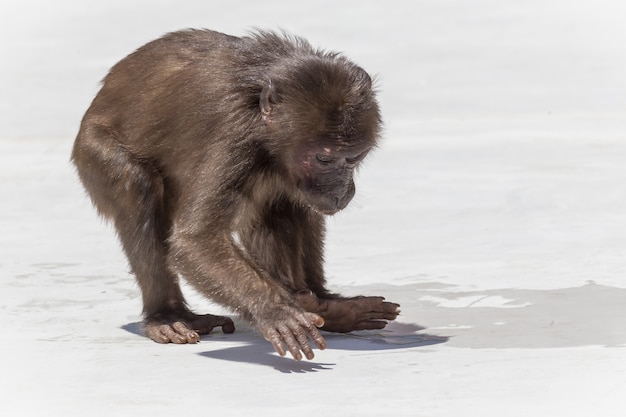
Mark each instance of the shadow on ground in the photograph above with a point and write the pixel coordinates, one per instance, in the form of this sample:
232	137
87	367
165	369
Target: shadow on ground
501	319
256	350
515	318
249	347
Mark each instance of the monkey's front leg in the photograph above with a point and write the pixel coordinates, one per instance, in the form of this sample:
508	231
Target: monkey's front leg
344	315
222	272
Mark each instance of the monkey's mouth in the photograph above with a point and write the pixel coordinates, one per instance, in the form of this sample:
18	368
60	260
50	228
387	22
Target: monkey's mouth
327	212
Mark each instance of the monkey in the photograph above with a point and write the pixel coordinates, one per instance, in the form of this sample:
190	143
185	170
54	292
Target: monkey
217	158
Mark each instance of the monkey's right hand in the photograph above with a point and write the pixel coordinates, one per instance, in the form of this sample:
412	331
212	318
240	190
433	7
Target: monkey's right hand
291	327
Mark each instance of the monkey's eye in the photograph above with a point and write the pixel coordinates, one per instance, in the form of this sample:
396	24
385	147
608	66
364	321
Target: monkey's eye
325	159
357	159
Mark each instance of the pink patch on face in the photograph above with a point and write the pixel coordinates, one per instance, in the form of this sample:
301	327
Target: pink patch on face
306	161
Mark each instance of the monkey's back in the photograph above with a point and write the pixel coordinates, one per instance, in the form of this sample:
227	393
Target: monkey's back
157	92
188	86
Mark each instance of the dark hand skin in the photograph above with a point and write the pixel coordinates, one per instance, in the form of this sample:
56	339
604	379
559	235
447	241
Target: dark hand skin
217	158
344	315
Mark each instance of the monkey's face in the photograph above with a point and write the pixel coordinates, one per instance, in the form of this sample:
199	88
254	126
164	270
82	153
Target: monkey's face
326	177
323	114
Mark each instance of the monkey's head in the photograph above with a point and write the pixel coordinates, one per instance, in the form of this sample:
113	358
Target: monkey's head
323	120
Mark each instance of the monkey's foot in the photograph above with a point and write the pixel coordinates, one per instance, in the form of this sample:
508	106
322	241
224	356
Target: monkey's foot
344	315
184	328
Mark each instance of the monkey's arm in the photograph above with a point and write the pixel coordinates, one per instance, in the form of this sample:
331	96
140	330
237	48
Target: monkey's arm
203	251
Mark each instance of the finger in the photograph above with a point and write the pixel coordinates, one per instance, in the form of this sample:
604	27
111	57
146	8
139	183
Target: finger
370	325
301	338
274	338
314	319
227	325
168	332
378	315
154	333
391	307
392	316
312	322
289	339
370	301
372	304
185	333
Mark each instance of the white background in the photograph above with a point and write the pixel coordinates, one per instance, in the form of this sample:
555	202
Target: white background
494	212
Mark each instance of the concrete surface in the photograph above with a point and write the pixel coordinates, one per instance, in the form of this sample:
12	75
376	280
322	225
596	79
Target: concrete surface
494	212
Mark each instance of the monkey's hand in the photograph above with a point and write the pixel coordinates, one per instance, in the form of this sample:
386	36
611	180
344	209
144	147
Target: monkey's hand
292	327
344	315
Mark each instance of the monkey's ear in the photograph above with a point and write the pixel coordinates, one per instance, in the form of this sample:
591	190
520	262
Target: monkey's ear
268	101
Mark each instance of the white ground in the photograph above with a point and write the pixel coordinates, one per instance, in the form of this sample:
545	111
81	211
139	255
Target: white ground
494	212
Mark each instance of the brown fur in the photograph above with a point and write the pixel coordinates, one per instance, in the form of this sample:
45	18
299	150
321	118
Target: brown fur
216	158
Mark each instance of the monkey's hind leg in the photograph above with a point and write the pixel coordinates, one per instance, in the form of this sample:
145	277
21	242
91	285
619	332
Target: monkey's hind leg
130	191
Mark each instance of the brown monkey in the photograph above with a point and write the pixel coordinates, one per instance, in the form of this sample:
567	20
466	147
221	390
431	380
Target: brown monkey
216	158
